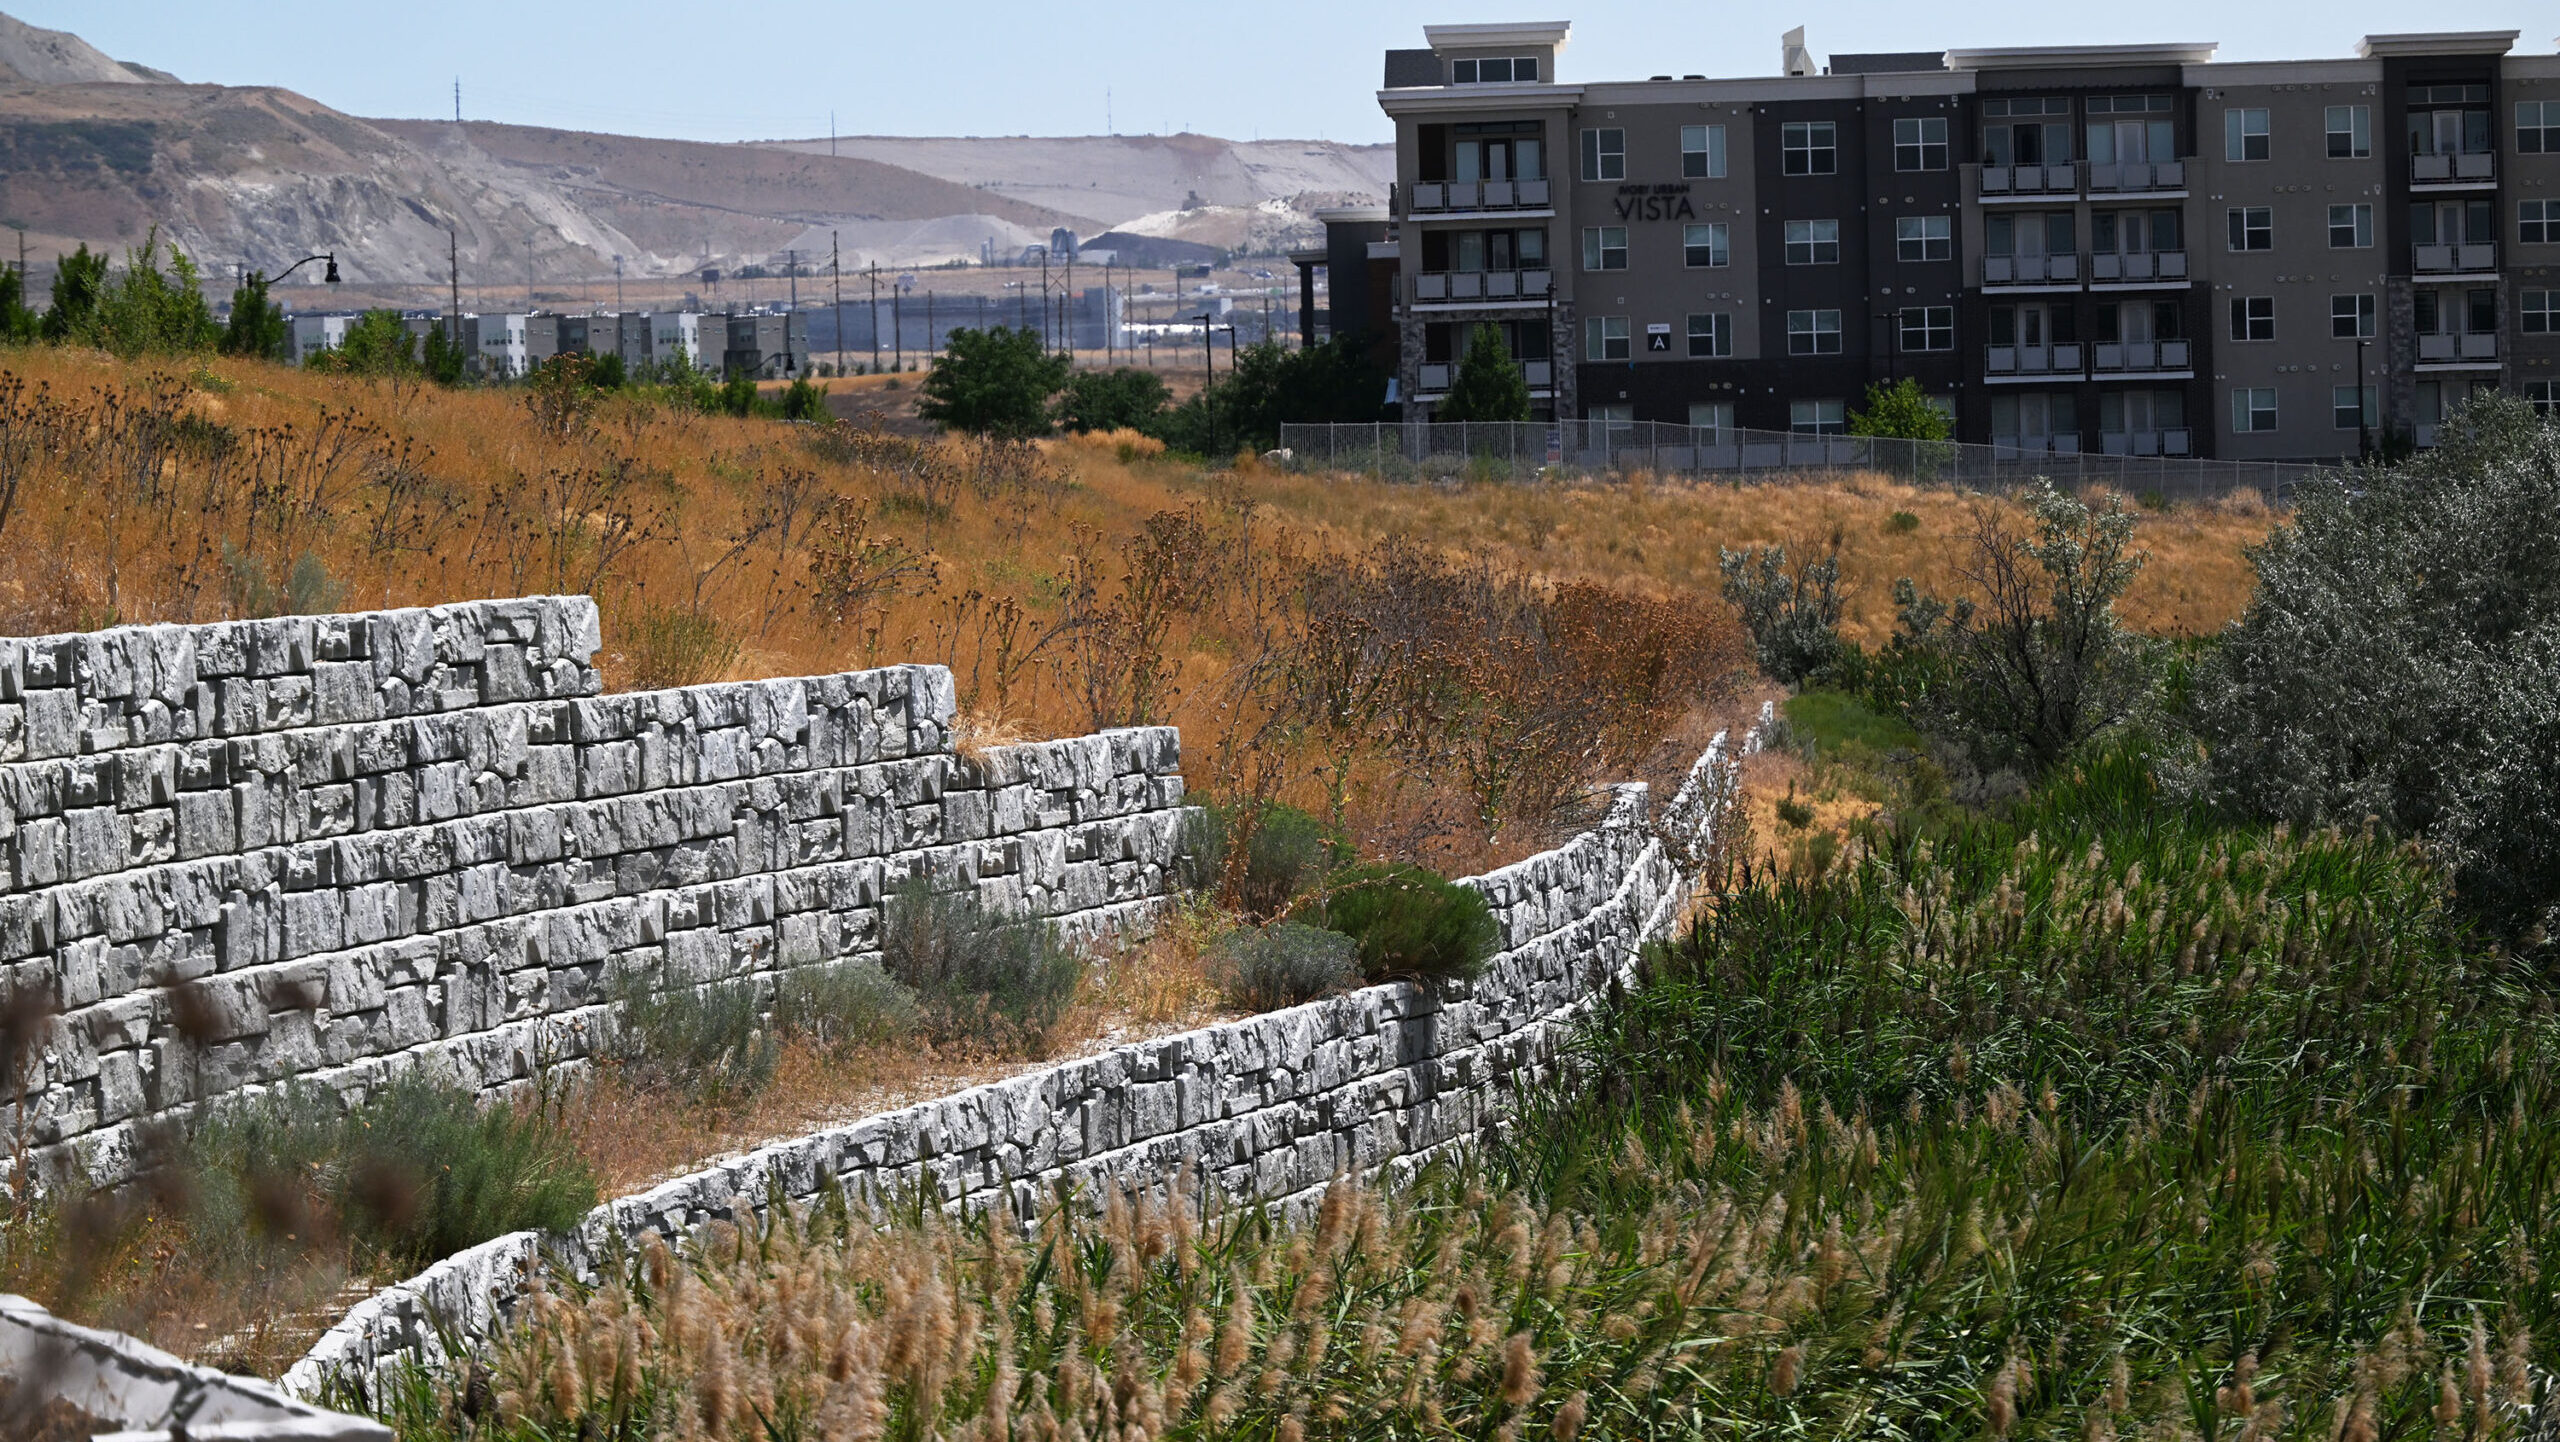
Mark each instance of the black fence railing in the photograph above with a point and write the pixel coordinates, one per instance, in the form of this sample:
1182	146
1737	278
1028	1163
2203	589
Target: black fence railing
1529	449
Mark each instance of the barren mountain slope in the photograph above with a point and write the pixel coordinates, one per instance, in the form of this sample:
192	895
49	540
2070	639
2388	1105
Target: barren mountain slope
30	56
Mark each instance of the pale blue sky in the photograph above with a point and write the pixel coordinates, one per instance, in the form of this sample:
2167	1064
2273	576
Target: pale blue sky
724	72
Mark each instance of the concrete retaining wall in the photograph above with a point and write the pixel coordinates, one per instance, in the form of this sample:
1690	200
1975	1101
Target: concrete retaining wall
150	1395
322	848
1266	1109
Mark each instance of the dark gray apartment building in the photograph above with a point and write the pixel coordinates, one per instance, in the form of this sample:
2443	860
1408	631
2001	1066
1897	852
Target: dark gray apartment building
2122	248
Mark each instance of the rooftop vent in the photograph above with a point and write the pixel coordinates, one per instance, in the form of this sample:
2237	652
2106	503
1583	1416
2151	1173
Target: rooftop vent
1793	58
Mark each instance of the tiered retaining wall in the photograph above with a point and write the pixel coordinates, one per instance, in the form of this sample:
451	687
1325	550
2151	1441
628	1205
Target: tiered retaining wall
1266	1109
321	848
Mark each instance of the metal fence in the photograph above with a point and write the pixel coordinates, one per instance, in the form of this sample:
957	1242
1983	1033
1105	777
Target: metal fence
1497	450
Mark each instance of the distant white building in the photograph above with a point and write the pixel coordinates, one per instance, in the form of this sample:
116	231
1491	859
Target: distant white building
498	341
701	337
313	334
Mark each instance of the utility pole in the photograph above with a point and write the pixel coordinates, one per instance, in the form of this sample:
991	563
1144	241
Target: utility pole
791	265
528	273
835	268
617	285
931	342
897	323
831	135
875	317
457	100
453	275
1044	299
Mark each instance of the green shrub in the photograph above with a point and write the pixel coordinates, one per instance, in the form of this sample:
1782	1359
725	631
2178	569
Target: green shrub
980	975
675	646
1411	922
1264	968
1902	523
1791	608
709	1042
846	1005
416	1172
1287	854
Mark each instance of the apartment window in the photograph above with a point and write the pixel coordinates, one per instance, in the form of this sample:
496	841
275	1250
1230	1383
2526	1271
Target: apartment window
1923	237
2351	317
1813	242
1920	143
1604	337
2354	406
1928	327
1702	152
1813	332
2350	130
2253	317
2543	396
1604	155
2131	129
1818	418
2253	408
2538	127
2025	131
1613	416
2350	226
1710	336
1500	150
1713	417
2538	221
1604	247
2482	308
1705	245
2244	134
2253	227
1494	72
2538	312
1808	147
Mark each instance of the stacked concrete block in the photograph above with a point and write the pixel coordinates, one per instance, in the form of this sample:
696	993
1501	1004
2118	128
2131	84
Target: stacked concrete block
1268	1109
324	848
143	1394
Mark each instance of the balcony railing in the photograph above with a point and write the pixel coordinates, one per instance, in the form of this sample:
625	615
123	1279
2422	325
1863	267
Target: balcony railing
1432	196
2453	259
2106	266
2030	269
1541	375
2464	169
2134	176
2032	360
2036	445
2462	346
2144	443
2063	179
1460	287
2140	355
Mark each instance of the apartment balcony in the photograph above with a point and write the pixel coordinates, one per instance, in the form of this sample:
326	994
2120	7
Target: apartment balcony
2458	350
2141	355
2033	182
2473	171
2430	261
1434	379
1481	287
2137	177
2031	270
2144	443
2010	446
2031	362
2148	267
1434	199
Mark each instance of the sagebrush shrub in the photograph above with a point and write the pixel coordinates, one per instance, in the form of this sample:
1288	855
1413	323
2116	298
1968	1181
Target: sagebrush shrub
417	1171
1287	853
1790	607
1409	921
709	1042
845	1005
980	975
1264	968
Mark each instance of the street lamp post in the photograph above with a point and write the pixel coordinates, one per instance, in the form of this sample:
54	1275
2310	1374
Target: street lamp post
2364	427
327	256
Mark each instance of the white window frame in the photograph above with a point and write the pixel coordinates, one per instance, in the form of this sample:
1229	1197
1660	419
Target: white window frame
1807	240
2371	408
2247	312
2538	312
2538	127
1597	247
1934	324
1604	153
1713	237
1806	332
1813	140
2246	414
2361	312
2537	222
1717	332
1818	416
1471	72
1600	332
2358	226
2243	223
1914	230
1702	152
1914	153
1717	420
2544	397
2247	134
2355	122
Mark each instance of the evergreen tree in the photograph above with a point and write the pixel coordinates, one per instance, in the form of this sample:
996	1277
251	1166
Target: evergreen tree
443	357
1489	385
77	280
18	323
257	326
993	382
